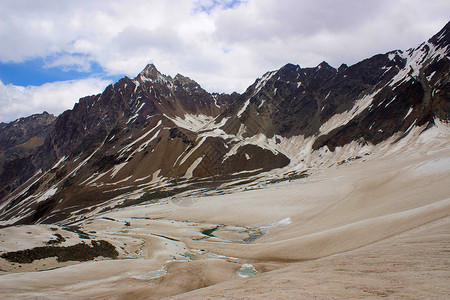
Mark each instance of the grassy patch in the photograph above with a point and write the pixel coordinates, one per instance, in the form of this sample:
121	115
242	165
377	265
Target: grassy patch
59	239
154	197
78	252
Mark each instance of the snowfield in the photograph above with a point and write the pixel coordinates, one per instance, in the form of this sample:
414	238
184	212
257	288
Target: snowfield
371	227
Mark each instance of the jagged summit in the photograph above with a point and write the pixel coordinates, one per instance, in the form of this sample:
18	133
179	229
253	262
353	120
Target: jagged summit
342	67
442	38
150	71
289	66
183	79
325	65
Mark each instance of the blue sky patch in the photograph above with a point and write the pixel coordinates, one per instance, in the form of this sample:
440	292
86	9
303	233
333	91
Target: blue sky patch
208	6
36	72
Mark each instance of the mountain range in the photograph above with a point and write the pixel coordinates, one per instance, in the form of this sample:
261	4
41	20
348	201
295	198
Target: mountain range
154	136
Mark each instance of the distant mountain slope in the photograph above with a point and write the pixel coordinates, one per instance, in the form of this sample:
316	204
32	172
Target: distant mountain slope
365	100
18	140
154	135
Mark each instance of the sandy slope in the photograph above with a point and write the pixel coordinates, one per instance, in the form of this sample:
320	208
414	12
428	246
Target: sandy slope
412	265
374	227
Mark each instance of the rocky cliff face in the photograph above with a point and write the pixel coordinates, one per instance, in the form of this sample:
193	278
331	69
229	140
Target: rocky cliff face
155	136
19	140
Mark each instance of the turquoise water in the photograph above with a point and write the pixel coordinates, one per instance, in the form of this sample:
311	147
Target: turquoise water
247	270
153	274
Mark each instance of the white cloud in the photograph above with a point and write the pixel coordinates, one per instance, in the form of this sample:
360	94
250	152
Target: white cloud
55	97
224	45
68	62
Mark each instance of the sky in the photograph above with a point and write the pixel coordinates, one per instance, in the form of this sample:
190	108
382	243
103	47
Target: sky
53	52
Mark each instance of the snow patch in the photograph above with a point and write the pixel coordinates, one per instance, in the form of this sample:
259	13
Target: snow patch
407	114
190	170
142	178
213	125
142	105
83	162
193	150
155	175
246	171
261	82
219	133
390	102
132	119
259	140
117	168
144	145
415	59
47	194
241	131
431	75
215	100
123	180
128	147
192	122
243	108
341	119
262	103
93	178
59	162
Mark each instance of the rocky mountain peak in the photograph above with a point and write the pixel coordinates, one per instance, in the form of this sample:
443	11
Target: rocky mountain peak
149	70
289	67
150	73
342	67
179	77
184	80
325	65
442	38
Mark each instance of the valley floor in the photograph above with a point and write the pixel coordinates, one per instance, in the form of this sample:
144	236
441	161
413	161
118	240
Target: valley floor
374	227
412	265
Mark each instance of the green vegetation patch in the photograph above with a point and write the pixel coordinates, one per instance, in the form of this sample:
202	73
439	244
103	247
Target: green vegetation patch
78	252
59	239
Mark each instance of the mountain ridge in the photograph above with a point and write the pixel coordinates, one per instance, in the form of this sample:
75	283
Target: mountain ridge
155	133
